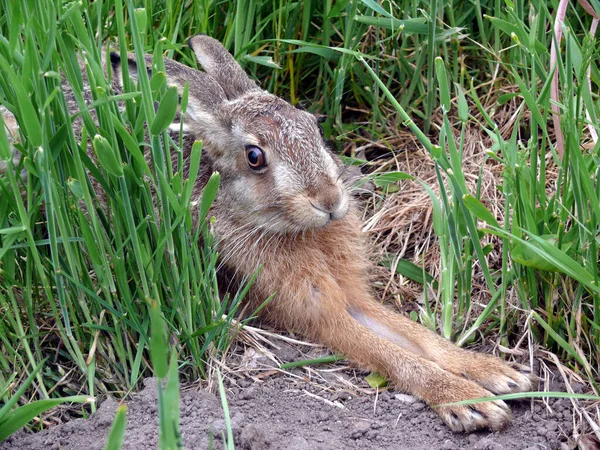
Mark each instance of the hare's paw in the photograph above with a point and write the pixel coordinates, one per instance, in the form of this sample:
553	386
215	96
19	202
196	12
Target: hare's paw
493	414
500	377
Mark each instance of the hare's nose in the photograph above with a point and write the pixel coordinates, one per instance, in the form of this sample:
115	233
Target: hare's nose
330	199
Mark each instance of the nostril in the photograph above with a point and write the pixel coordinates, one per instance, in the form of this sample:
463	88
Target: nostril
327	200
331	201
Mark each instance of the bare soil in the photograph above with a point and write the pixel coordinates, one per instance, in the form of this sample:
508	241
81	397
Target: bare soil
289	412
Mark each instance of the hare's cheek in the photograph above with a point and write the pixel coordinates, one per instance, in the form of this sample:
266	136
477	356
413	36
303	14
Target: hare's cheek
241	194
252	193
262	190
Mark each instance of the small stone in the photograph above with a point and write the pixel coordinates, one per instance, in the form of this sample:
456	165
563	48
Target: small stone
405	398
372	434
248	394
322	416
361	427
578	388
487	444
551	425
237	419
245	383
376	425
473	438
296	443
418	406
218	427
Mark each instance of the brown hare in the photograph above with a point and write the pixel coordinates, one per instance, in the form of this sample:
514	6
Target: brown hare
283	204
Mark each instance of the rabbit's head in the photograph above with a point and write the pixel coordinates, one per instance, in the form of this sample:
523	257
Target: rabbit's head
276	171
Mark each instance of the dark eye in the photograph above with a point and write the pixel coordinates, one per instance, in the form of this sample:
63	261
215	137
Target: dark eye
255	157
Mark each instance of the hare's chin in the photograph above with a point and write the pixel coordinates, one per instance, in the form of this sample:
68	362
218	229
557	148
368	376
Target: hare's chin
297	226
320	218
299	223
315	219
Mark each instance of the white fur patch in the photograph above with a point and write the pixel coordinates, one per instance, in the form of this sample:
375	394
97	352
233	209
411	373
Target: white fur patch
342	207
205	61
286	180
175	127
385	332
197	115
246	138
331	166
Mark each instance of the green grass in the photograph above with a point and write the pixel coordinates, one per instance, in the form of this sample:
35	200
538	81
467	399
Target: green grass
95	286
109	296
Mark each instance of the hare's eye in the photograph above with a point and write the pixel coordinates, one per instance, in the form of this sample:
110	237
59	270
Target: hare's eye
255	157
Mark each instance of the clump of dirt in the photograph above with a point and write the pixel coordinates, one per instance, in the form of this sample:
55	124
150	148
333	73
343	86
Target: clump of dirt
286	412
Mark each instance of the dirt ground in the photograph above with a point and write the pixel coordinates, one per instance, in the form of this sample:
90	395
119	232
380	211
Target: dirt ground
289	411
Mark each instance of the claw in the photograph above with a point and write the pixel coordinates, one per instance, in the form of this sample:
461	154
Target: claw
478	415
494	415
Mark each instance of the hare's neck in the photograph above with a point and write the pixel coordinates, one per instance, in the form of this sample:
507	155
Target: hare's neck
335	247
304	272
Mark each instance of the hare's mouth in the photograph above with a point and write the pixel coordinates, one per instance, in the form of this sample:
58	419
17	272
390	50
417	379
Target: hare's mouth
309	213
332	205
336	213
299	213
321	211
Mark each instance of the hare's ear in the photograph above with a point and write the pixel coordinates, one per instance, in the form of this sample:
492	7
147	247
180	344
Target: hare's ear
115	63
220	65
205	94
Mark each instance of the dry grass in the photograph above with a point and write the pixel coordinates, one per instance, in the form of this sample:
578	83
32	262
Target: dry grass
400	223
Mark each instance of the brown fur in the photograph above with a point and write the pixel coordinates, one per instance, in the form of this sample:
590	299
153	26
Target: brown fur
295	217
320	280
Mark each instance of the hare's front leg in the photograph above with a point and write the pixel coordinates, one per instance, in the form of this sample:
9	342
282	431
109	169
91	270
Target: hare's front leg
318	307
488	371
413	373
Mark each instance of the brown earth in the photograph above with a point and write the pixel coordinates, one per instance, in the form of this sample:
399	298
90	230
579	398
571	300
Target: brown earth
290	412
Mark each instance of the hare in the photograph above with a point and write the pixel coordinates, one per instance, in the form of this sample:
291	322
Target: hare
283	205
